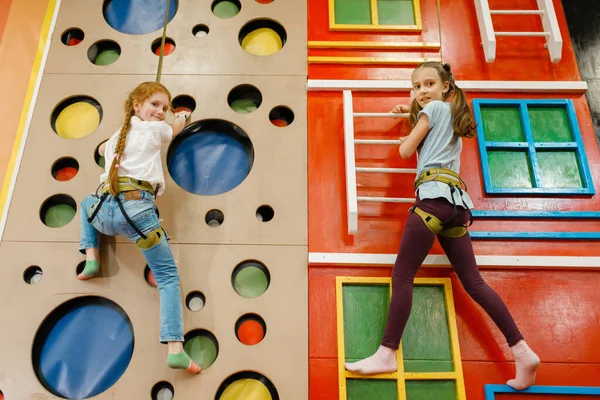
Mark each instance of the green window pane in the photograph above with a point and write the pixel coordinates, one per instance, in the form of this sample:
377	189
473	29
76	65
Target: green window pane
559	169
550	124
366	389
426	340
509	169
428	390
502	124
395	12
353	12
365	314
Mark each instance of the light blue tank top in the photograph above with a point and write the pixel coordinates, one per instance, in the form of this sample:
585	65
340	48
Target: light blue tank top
441	148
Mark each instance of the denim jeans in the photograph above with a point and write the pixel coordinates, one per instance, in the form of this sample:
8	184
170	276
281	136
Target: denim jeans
111	222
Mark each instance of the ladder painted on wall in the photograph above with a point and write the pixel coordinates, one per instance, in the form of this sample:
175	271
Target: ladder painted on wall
352	198
549	23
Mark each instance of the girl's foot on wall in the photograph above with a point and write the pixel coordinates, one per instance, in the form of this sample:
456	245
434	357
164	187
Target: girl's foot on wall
382	362
90	270
526	363
182	361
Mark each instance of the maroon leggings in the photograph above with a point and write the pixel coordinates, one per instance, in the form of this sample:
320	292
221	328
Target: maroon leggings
416	242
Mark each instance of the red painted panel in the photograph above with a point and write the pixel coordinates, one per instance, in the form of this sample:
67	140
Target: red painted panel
381	224
323	379
527	396
517	58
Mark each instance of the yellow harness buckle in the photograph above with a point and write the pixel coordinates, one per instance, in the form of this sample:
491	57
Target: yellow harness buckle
152	239
434	224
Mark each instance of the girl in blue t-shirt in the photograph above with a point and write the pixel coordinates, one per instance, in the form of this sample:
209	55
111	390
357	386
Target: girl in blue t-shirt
441	210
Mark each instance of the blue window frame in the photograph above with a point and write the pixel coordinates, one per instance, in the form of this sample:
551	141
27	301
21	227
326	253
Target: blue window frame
523	152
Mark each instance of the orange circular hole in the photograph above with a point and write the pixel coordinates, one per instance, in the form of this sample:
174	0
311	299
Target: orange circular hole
65	174
169	49
250	332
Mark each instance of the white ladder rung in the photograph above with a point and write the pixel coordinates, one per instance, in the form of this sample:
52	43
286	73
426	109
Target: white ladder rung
522	33
387	199
387	170
381	115
376	141
517	12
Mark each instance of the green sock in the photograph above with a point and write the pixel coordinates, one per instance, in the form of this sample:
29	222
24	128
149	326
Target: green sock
91	268
179	360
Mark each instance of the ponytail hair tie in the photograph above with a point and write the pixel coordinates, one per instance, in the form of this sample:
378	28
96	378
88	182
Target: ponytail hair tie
117	156
117	165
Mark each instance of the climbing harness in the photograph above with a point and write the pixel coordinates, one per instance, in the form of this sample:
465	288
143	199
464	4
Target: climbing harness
132	190
455	182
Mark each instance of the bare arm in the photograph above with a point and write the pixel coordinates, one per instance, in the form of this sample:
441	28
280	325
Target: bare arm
409	143
180	122
102	148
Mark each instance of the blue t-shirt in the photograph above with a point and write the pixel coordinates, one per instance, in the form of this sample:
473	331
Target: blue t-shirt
441	148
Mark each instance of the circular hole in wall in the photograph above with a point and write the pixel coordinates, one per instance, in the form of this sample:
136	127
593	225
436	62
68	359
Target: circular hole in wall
210	157
265	213
195	301
136	17
250	329
169	46
104	340
281	116
58	210
202	347
262	37
64	169
226	8
100	161
104	52
244	99
214	218
250	279
183	102
72	37
247	385
200	30
32	275
76	117
149	277
162	391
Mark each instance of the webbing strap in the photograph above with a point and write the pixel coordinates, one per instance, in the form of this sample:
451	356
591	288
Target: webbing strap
162	43
439	12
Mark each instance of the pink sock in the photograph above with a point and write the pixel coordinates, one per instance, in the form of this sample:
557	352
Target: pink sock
526	363
382	362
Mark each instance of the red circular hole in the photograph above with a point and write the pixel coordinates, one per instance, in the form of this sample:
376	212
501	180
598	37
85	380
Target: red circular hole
250	332
169	49
66	174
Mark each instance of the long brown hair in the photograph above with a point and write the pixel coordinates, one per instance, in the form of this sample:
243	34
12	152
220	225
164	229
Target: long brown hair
463	124
138	95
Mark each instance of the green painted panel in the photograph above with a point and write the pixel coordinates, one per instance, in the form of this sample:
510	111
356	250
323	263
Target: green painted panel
510	169
353	12
426	341
367	389
550	124
428	390
502	124
559	169
396	12
365	315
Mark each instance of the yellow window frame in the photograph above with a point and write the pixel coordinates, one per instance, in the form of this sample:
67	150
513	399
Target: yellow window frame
400	376
374	26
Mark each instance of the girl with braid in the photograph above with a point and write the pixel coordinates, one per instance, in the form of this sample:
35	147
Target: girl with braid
133	177
440	118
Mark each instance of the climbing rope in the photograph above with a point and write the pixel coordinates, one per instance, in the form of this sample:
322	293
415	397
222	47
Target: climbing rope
440	28
162	43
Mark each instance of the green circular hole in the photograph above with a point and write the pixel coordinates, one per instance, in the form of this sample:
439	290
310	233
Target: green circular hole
251	279
202	347
226	8
58	210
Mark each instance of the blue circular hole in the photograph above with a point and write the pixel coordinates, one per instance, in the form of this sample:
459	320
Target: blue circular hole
137	17
210	157
83	347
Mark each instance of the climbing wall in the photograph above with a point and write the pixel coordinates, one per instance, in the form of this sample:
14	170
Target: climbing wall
235	207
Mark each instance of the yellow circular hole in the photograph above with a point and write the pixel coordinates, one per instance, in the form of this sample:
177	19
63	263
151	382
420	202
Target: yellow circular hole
262	42
77	119
246	389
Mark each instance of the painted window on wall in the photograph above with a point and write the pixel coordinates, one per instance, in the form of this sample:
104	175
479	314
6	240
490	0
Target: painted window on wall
389	15
531	147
